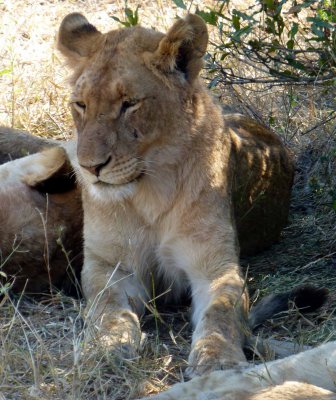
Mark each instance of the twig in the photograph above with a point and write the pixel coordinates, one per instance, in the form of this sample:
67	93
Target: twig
329	118
314	262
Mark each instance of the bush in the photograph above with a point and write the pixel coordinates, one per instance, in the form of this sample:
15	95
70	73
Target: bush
282	41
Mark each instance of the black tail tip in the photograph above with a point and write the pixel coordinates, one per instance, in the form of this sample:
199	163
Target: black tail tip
308	297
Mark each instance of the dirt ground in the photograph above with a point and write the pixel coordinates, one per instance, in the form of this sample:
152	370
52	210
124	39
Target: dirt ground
41	340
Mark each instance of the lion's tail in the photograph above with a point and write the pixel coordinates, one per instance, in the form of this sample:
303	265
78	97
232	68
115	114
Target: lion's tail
305	298
15	144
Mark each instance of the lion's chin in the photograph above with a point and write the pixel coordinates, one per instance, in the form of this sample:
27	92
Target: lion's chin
120	182
109	188
108	192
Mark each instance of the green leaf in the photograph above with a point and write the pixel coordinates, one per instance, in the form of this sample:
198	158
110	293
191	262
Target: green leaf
180	4
270	25
6	71
281	25
334	205
128	12
124	23
319	22
214	82
243	15
255	44
236	22
290	44
269	3
318	32
241	32
272	120
324	15
294	30
210	17
296	64
132	17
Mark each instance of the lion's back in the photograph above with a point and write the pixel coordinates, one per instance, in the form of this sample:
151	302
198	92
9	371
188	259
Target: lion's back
262	170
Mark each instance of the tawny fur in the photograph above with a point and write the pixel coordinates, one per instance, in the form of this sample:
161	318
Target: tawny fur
156	162
40	223
310	375
15	144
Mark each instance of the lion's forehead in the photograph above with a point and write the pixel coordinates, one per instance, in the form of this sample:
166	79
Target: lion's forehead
91	84
132	40
118	65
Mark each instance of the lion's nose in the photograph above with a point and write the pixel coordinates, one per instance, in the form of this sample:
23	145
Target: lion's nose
95	169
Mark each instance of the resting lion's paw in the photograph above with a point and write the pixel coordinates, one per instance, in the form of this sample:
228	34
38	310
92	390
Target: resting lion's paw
125	350
205	360
121	337
111	346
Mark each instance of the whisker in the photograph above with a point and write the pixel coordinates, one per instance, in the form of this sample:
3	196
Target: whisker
149	174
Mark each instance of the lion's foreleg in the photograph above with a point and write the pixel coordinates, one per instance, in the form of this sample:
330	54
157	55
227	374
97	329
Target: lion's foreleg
219	303
115	301
219	321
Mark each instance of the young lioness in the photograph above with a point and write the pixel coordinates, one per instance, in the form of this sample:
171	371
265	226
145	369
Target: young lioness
157	166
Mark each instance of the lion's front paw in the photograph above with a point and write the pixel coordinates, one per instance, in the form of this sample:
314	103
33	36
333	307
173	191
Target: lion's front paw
119	335
123	349
208	355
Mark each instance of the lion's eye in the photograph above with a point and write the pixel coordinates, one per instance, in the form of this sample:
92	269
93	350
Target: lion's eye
127	104
81	105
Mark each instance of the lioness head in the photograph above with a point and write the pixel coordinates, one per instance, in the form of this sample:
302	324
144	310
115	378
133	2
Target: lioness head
132	99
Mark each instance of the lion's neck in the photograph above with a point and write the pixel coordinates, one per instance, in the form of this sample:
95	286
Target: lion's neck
179	179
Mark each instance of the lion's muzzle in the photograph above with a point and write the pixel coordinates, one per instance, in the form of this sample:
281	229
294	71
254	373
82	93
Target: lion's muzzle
95	169
114	171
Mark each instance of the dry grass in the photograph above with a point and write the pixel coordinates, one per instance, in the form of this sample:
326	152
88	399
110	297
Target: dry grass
44	354
42	351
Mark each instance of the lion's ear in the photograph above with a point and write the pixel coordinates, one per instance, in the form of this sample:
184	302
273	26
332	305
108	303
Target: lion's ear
77	38
183	47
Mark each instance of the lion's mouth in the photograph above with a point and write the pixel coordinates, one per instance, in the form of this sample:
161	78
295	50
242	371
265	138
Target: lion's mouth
135	179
